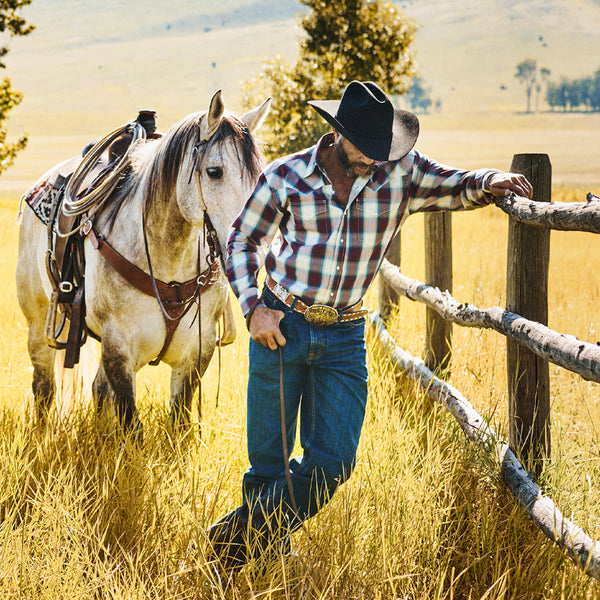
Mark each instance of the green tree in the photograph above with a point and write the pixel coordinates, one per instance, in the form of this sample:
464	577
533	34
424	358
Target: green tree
12	24
345	40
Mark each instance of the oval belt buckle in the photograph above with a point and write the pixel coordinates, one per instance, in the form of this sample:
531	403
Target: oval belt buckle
321	315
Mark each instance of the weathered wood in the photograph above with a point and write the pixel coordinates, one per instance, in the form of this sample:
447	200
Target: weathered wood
388	298
565	216
582	549
528	259
566	351
438	272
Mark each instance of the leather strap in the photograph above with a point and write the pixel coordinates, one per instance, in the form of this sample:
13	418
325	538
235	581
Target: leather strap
348	314
76	328
170	293
176	297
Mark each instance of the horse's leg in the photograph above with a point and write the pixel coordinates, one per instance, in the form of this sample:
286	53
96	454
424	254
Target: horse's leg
34	304
42	359
184	383
121	378
101	390
183	386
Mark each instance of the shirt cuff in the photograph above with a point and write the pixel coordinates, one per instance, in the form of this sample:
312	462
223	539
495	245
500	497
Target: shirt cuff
258	302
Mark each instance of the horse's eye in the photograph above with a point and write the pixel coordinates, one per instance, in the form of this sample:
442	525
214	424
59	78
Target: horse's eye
215	172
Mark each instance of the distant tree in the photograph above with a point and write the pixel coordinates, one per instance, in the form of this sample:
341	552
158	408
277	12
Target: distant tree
557	94
419	96
13	24
544	75
595	91
575	94
580	93
344	40
527	74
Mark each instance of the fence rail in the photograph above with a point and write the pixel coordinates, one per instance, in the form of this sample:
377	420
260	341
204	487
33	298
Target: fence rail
566	351
582	549
564	216
530	343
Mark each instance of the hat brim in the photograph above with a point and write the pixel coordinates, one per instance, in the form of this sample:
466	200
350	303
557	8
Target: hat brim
405	131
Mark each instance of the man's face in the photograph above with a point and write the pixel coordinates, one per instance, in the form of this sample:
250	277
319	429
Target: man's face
352	159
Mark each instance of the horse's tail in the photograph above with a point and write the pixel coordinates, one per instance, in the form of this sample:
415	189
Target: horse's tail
74	386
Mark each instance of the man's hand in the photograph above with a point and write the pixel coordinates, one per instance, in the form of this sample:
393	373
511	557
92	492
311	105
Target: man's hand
264	327
504	184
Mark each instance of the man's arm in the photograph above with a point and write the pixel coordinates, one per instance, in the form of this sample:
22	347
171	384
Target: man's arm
253	231
434	186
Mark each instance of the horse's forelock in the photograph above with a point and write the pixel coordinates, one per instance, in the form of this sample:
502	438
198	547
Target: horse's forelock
180	138
157	167
247	150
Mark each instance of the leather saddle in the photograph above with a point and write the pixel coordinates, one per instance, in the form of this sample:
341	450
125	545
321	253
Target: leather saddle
65	322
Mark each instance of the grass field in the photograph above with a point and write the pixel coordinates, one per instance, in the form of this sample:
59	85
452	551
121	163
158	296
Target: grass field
84	515
424	516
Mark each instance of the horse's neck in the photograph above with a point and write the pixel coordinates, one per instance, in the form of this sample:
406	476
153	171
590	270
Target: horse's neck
172	242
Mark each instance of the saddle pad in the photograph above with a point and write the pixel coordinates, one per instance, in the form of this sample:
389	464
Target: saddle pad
45	195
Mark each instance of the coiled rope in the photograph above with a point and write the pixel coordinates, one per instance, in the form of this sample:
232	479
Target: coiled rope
90	202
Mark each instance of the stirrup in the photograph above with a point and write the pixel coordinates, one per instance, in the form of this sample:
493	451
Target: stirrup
52	331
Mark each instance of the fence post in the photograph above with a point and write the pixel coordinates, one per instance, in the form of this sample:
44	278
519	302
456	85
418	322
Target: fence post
388	297
438	272
527	295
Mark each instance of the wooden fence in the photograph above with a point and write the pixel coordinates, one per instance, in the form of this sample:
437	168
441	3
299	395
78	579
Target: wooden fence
530	343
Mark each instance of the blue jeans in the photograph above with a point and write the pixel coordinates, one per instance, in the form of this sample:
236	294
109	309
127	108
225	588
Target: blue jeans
325	384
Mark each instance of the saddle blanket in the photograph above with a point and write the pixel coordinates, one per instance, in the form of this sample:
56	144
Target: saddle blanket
45	195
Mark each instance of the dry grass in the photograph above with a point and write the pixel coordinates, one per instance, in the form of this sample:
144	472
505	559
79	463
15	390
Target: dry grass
84	515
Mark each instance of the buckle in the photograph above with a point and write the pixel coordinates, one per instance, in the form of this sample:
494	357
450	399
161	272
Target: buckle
321	315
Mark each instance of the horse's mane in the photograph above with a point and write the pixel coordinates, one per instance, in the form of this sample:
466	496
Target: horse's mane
155	165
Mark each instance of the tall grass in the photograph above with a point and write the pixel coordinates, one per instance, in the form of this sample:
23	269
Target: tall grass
85	514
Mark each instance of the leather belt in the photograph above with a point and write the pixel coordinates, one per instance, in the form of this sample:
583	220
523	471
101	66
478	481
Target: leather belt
320	315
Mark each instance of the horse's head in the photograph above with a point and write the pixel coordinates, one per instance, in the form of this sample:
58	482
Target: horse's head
221	167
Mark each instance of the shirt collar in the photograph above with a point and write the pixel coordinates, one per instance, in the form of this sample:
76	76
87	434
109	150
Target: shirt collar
314	161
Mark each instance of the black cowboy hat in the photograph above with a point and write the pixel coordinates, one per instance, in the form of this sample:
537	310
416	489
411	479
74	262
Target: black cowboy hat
366	118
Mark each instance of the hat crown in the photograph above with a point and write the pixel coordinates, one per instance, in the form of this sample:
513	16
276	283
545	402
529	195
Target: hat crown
366	110
366	118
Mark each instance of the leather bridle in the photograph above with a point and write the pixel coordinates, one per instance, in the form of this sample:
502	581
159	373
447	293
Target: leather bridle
175	299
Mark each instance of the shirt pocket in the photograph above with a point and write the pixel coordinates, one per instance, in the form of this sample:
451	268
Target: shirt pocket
377	214
309	214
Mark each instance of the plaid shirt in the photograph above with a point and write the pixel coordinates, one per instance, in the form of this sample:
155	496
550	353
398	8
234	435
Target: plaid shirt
326	252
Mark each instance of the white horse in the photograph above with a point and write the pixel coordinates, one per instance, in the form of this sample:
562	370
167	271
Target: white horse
179	189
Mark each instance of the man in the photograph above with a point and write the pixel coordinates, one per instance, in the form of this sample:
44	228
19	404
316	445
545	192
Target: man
336	207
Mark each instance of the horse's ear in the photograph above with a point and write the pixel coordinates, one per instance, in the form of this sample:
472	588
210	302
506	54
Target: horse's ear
216	110
256	117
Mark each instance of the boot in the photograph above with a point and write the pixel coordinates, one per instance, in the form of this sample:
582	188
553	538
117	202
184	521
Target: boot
228	539
244	535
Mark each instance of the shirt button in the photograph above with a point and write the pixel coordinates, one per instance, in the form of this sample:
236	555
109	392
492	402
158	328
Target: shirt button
337	268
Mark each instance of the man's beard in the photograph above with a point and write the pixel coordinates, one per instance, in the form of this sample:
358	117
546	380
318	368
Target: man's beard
348	166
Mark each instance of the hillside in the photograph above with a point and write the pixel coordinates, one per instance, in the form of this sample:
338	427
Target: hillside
90	66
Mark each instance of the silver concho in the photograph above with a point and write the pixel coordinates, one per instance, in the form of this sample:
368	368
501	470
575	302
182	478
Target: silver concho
321	315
